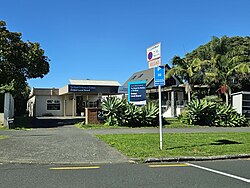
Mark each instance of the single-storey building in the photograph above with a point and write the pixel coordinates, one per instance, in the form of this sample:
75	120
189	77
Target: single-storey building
173	93
70	100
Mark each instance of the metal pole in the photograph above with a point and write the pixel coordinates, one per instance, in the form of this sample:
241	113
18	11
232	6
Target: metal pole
160	119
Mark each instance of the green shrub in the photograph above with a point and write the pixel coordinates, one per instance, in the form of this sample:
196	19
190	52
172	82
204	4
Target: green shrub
149	115
213	98
114	109
210	113
120	112
228	117
200	112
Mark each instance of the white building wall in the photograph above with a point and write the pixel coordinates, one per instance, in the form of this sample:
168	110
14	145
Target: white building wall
179	110
179	106
41	106
69	104
68	100
1	118
166	111
237	103
31	106
90	98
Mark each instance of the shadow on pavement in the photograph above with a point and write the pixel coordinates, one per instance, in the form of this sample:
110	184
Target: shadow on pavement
45	122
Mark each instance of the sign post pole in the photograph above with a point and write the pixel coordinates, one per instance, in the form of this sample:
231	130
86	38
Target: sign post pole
154	61
160	118
159	80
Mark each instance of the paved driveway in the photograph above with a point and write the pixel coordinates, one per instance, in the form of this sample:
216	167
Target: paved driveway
66	144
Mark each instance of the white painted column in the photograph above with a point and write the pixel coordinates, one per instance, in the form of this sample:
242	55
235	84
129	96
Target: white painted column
173	106
73	105
64	106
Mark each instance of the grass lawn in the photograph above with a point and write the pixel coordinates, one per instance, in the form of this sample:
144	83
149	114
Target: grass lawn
3	137
97	126
167	123
2	127
179	144
175	123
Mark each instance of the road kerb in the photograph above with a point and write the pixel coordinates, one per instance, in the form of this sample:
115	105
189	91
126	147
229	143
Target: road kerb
182	159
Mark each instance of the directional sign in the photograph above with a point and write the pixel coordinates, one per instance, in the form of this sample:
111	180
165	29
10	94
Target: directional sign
159	76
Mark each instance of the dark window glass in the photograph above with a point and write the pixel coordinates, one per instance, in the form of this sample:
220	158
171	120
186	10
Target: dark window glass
53	104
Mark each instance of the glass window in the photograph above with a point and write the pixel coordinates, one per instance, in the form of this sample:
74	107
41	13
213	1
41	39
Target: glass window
53	104
140	76
92	104
133	77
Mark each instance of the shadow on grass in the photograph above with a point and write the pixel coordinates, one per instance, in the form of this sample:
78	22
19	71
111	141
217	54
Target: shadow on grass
225	142
218	143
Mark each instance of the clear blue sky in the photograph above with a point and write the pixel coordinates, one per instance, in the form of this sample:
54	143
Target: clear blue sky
107	39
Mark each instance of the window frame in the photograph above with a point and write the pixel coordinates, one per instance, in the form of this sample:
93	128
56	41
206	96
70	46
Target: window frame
53	104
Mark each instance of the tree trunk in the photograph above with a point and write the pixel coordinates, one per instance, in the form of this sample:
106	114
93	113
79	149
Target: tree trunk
188	91
189	96
227	98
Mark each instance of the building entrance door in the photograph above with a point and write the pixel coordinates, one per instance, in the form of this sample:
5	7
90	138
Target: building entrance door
80	106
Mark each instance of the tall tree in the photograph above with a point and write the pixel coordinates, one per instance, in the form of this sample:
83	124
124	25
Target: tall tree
184	70
222	63
19	61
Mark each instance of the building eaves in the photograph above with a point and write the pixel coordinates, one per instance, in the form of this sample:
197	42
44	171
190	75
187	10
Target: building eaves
95	82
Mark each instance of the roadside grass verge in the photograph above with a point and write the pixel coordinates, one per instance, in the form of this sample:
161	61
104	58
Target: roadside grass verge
167	123
2	127
97	126
3	137
175	123
144	146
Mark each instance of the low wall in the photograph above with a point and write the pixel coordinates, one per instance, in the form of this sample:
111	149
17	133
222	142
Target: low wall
93	116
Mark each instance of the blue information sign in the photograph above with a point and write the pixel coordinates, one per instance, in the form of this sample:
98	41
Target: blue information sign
159	76
137	92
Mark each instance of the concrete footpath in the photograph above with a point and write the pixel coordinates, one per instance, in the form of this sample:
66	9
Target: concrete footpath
70	145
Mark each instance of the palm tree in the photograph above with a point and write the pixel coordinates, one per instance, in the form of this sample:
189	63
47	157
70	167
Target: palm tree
219	63
224	70
185	70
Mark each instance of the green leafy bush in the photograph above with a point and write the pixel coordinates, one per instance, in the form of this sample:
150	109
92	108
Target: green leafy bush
149	115
228	117
114	109
200	112
210	113
120	112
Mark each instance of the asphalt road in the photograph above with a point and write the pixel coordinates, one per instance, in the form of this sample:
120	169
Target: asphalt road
213	174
